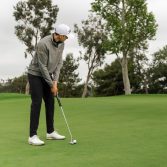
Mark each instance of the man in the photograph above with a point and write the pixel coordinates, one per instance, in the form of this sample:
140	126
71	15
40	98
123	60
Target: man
43	74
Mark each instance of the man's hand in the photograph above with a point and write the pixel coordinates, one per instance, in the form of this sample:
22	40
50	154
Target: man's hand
54	88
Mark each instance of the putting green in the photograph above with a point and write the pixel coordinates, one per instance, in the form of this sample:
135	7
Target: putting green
121	131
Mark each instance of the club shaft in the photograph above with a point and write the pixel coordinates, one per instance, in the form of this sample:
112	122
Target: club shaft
66	122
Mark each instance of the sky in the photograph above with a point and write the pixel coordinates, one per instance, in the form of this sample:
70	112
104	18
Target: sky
12	60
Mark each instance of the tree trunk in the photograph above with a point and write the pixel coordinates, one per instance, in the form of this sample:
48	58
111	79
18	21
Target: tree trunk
27	89
145	86
86	85
124	63
126	81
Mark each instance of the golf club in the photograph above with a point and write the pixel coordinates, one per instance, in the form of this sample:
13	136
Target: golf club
73	141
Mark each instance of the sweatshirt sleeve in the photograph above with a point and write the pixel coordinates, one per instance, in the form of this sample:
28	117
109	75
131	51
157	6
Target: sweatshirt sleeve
42	57
59	65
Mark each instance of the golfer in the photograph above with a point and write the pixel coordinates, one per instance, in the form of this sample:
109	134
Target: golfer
43	74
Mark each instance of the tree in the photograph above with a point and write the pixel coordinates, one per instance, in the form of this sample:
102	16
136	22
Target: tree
137	68
108	81
15	85
18	84
35	19
158	72
91	36
68	77
130	26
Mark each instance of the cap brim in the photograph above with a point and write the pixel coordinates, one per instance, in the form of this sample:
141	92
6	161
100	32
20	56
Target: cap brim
70	36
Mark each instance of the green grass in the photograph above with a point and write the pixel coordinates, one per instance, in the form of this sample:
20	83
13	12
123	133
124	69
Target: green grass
121	131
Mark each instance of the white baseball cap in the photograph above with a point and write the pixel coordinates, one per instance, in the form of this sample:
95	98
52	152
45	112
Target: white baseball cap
63	29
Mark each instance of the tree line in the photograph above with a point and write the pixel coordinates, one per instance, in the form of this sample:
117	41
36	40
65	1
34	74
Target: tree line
122	28
146	77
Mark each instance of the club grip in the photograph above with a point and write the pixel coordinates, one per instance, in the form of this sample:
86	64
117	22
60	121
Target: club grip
58	100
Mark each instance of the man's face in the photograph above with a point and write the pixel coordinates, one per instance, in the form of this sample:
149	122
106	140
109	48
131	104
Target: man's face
59	38
62	38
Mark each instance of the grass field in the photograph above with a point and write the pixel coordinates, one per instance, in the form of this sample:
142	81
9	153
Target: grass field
121	131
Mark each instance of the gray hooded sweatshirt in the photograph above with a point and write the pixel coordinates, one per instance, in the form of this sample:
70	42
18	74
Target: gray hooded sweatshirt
47	60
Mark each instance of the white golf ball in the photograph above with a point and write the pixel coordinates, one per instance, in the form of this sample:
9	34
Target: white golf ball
74	141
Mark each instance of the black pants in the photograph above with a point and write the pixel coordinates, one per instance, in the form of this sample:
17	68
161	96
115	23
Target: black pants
40	89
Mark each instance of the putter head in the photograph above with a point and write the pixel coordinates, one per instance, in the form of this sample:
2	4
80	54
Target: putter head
73	141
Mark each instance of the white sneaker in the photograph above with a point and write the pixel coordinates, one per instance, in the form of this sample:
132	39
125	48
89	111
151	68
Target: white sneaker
34	140
54	136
